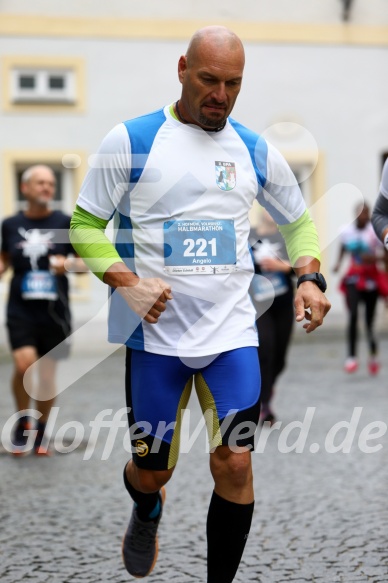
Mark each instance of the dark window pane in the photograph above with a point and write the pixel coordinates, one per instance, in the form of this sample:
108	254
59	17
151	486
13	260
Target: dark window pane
27	82
56	82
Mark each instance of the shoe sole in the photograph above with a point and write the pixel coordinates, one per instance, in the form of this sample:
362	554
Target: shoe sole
43	452
21	453
163	495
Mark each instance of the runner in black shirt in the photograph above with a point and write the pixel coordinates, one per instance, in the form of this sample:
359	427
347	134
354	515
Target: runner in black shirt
35	245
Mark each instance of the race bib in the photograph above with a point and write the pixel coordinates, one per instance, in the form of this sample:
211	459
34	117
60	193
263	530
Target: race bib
199	247
39	285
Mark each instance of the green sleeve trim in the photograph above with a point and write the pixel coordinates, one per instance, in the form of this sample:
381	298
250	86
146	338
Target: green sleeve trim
301	238
87	235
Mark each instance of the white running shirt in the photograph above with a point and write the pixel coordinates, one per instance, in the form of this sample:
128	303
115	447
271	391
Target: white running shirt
180	197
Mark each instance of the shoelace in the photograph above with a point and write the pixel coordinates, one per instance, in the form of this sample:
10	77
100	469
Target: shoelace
142	537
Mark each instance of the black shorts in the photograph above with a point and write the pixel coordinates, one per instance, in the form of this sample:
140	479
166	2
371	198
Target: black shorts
46	338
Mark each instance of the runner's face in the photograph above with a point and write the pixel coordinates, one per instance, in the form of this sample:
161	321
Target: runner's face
40	188
210	85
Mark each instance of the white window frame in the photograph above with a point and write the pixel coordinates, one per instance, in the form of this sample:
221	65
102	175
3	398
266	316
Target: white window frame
42	93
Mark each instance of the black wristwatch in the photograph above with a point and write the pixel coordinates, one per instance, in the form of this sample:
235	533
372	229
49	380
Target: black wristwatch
317	278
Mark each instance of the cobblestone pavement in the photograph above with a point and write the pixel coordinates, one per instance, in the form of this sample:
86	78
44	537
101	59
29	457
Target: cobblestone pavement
321	515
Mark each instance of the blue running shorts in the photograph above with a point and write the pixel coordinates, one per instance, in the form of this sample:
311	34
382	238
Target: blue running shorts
158	389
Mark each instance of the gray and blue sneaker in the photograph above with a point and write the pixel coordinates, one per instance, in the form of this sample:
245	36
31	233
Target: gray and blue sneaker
140	543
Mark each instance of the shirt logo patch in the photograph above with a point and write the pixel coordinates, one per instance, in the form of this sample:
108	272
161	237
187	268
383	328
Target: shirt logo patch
225	175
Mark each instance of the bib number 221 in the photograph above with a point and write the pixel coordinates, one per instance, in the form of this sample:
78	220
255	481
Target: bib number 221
200	247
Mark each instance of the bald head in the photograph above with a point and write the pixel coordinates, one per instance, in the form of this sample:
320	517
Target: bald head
214	38
211	74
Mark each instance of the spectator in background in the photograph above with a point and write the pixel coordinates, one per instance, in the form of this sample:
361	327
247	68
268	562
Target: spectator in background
272	291
362	283
380	210
38	315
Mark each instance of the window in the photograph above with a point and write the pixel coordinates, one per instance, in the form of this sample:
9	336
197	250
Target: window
32	85
27	82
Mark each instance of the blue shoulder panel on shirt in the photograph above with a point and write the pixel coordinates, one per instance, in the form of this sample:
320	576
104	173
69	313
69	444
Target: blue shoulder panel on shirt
142	131
257	148
125	326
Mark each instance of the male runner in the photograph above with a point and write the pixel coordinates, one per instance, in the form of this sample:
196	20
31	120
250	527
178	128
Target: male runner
38	315
180	182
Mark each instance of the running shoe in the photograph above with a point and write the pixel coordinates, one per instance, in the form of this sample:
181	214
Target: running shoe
20	437
373	365
351	364
41	445
140	543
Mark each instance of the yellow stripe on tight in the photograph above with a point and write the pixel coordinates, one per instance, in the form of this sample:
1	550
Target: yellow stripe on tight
176	438
209	411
